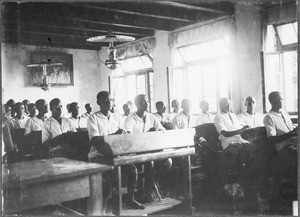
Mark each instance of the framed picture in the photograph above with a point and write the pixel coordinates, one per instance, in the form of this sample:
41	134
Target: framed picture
57	66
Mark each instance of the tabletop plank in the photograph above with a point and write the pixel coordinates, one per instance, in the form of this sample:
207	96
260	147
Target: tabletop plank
46	170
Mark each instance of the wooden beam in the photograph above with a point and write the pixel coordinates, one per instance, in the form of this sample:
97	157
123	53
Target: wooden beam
50	10
141	9
58	30
193	7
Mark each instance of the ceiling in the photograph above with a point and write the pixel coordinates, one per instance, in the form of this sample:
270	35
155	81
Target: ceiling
69	24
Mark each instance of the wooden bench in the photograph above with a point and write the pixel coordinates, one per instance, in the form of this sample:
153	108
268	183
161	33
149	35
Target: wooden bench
146	147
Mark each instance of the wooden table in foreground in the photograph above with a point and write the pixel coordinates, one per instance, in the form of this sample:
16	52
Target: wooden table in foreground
37	183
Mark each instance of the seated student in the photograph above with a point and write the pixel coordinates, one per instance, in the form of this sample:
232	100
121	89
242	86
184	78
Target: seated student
184	119
20	118
142	121
205	116
127	109
88	107
31	110
75	118
54	127
68	113
26	102
175	105
102	123
12	104
283	134
250	117
8	111
36	123
161	109
229	128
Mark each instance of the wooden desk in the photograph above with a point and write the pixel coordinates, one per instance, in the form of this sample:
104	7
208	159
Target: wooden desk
37	183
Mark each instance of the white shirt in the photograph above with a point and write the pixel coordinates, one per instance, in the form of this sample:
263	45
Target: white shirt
181	121
228	122
135	124
254	120
160	118
15	123
204	118
77	122
171	116
99	125
33	124
52	128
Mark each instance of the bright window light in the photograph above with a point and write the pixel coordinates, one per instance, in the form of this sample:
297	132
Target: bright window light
178	61
287	33
220	47
207	50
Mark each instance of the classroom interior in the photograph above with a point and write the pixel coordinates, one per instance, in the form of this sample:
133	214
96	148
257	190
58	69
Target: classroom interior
196	50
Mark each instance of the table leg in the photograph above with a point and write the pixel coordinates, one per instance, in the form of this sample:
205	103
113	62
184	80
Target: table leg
95	201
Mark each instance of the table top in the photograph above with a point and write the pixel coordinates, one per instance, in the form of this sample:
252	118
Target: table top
45	170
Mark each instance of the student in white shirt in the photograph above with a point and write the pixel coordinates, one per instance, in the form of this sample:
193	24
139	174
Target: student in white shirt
161	109
250	117
36	123
19	120
175	106
142	121
282	133
83	119
240	150
205	116
102	123
184	119
54	127
75	118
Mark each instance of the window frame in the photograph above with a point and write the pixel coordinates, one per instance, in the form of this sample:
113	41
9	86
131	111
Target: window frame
280	49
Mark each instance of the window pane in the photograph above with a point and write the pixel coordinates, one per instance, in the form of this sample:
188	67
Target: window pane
207	49
290	81
141	81
131	87
178	61
270	42
194	87
147	62
224	76
186	54
220	47
177	76
287	34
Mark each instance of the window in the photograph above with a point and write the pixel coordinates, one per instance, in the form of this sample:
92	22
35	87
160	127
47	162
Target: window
280	63
202	73
134	76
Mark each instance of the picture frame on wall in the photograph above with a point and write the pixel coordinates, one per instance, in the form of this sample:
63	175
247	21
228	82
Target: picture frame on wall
63	73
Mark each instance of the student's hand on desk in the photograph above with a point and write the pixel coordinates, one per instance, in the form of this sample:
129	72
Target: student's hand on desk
246	127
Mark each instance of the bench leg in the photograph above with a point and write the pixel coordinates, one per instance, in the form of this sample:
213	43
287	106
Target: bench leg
95	201
187	178
117	191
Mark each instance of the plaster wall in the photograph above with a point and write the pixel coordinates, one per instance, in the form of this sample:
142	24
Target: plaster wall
15	57
249	46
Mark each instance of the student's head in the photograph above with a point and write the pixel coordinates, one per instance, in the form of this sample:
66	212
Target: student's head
68	107
7	108
127	109
186	106
160	107
74	109
19	109
88	108
225	105
133	109
141	102
175	105
276	99
250	103
42	106
11	103
56	107
204	106
32	109
105	101
26	102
